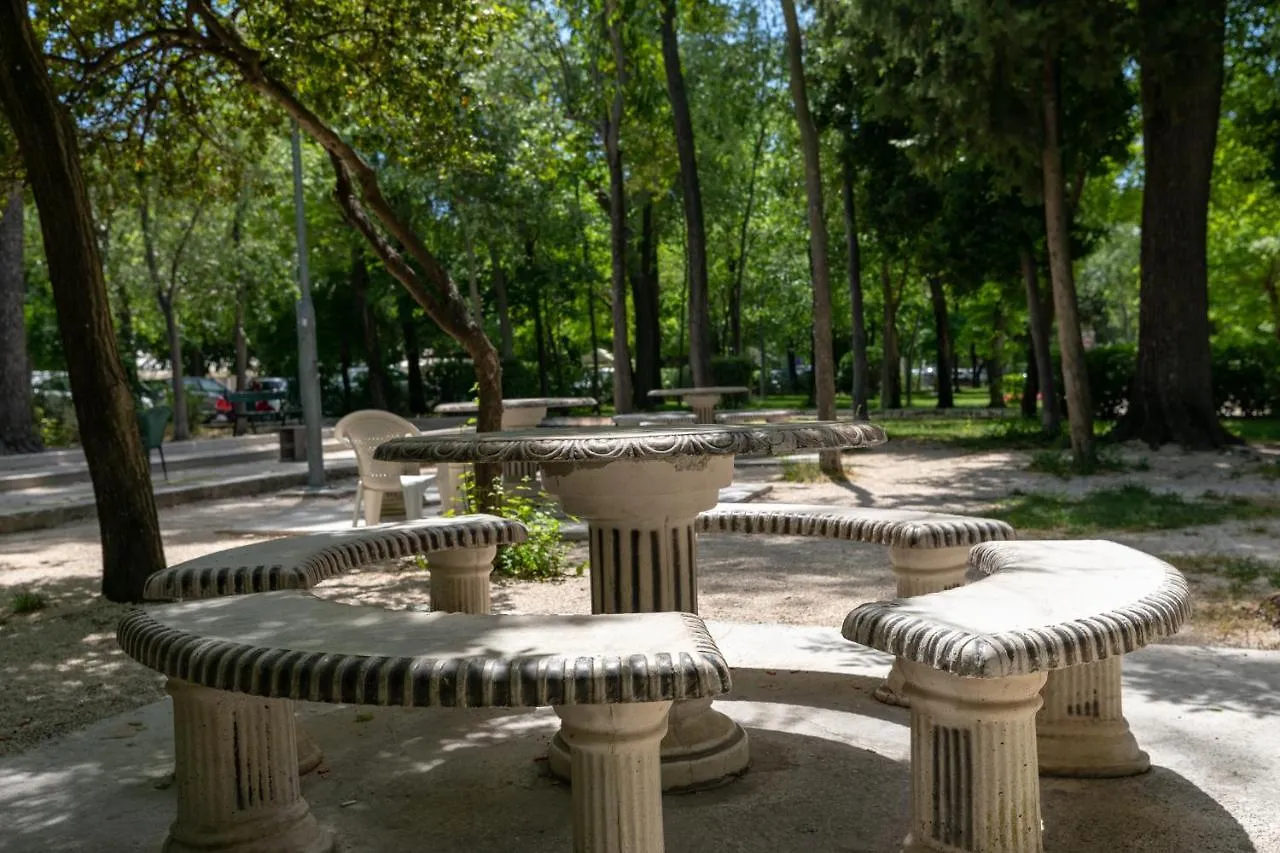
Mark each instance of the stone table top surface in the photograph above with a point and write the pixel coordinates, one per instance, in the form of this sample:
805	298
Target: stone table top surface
606	444
690	392
293	645
470	407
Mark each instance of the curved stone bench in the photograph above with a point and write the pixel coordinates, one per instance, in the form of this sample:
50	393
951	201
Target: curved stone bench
461	551
927	551
976	658
236	665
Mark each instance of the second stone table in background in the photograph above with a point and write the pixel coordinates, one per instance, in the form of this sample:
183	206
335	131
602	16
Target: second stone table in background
640	491
703	401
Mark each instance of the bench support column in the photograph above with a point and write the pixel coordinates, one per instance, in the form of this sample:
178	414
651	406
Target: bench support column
460	579
236	768
704	407
1081	729
920	571
617	779
644	559
974	780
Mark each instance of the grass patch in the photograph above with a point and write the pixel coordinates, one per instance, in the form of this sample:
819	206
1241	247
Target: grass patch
25	601
801	472
973	433
1063	464
1254	429
1240	571
1129	507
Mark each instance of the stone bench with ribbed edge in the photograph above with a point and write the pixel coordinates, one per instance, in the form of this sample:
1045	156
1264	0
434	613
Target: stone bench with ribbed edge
459	550
1042	616
927	550
236	665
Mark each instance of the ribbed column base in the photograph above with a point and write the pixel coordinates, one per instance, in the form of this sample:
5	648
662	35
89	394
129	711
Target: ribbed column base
920	571
704	407
617	793
1081	730
974	781
460	579
236	772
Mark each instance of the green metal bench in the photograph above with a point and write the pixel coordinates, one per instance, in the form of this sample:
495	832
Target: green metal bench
151	426
245	407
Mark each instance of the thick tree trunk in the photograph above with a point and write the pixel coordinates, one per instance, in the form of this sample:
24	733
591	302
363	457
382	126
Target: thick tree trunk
412	354
1040	366
942	334
644	296
130	530
17	426
612	126
824	369
507	345
890	388
1058	237
854	265
376	377
1181	56
699	301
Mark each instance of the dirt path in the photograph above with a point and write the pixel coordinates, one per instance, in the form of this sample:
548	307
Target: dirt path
60	667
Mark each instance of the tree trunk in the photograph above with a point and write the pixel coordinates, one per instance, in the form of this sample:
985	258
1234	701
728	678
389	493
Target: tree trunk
540	336
587	269
699	302
995	364
738	267
612	125
130	530
1181	56
242	299
644	296
1273	296
473	278
344	359
1041	364
376	377
942	334
17	426
412	354
181	427
1058	238
166	298
1031	387
241	342
128	339
975	375
824	372
890	388
507	339
854	265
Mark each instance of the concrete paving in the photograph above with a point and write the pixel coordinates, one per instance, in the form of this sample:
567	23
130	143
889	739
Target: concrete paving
829	769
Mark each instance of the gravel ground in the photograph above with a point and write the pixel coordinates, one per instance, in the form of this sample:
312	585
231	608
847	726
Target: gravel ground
61	669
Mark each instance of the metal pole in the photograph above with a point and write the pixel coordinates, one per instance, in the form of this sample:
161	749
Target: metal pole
308	368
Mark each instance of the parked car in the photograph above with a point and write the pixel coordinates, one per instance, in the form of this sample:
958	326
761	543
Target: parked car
211	396
270	383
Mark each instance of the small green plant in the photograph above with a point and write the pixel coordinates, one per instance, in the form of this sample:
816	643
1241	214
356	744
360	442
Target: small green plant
26	601
794	471
1063	464
1240	571
543	555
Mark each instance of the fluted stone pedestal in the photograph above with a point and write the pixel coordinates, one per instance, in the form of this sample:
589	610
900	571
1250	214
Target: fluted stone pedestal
920	571
640	516
617	778
236	770
704	407
974	781
1081	730
460	579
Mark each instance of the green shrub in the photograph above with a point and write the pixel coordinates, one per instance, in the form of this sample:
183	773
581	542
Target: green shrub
544	555
732	370
1110	370
56	419
25	601
1246	378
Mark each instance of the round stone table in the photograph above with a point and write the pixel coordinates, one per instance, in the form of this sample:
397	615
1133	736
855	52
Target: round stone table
702	400
517	413
640	490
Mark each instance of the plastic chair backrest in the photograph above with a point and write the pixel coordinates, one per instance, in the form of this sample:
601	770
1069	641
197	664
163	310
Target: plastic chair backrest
151	424
364	431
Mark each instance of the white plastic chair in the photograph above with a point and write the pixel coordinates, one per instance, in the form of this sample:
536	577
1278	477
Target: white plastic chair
364	431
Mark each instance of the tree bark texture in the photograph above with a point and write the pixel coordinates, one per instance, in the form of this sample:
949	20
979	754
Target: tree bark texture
17	425
612	127
1181	56
890	387
699	300
942	336
505	336
1058	238
376	375
854	266
412	354
644	296
824	371
130	530
1041	366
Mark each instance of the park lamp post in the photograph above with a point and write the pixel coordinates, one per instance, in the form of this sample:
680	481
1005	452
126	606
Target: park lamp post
308	369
